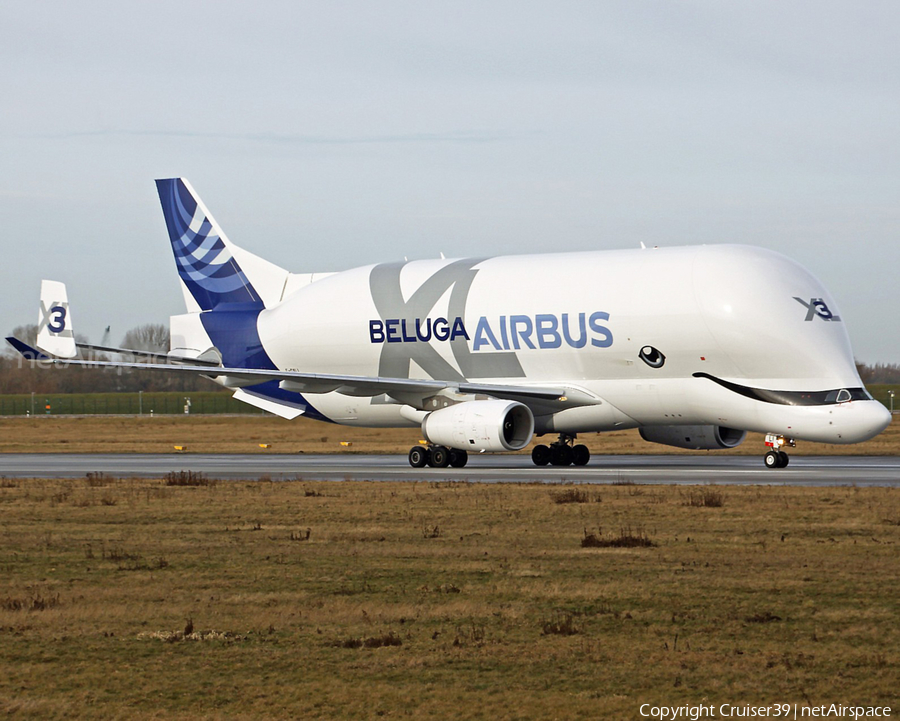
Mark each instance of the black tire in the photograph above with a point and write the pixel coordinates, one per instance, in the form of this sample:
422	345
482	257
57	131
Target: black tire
540	455
440	457
784	458
561	455
772	460
580	455
418	456
458	458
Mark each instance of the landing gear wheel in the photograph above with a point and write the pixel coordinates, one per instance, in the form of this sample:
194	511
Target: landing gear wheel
458	458
418	456
776	458
580	455
440	457
540	454
561	455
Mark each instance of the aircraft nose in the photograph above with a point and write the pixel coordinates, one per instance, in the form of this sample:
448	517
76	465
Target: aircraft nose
869	419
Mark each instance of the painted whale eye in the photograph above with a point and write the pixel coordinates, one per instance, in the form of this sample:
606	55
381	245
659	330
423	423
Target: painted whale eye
652	357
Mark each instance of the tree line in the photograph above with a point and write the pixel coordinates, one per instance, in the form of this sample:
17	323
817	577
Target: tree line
879	372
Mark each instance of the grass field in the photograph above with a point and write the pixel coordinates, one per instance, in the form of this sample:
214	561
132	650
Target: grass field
120	403
244	434
403	600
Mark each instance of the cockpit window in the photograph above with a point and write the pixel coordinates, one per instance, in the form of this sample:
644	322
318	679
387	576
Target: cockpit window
793	398
841	396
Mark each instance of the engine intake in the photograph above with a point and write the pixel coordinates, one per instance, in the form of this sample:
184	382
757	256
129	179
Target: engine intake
481	426
698	438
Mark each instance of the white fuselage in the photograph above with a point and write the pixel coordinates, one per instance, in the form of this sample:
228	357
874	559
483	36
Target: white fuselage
579	321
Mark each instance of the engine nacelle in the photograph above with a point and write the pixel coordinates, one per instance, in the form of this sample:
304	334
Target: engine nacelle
480	426
697	438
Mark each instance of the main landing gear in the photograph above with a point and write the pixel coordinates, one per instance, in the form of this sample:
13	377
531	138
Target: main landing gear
561	453
437	457
777	458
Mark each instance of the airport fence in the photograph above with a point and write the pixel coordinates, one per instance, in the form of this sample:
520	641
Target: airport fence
121	403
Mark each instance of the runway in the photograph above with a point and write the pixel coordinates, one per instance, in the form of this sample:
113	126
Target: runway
803	470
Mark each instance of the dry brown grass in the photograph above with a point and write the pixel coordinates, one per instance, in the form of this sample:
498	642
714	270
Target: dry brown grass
244	434
327	600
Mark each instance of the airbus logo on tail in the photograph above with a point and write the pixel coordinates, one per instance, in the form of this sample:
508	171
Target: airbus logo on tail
817	307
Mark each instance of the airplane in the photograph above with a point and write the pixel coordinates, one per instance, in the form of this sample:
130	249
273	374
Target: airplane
694	346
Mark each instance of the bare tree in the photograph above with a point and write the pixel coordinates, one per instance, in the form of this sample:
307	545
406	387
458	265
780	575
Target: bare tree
25	333
879	372
150	337
154	337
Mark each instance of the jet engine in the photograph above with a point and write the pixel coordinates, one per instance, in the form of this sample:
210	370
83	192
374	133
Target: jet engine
698	438
480	426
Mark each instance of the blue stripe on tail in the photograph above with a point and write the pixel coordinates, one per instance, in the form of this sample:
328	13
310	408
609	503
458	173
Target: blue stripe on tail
204	262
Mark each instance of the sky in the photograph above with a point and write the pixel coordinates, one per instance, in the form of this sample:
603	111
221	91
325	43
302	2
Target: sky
326	135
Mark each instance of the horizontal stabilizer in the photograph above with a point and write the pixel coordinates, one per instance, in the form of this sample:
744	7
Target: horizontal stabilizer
29	353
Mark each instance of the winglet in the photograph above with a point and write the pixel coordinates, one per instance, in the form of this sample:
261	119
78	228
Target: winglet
29	353
55	334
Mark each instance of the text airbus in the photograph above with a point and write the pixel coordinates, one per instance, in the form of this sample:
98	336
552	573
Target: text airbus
505	333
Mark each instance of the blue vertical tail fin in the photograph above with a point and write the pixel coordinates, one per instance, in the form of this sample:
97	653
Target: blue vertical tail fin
212	269
225	289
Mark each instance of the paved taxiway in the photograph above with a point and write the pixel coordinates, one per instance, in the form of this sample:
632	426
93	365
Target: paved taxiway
803	470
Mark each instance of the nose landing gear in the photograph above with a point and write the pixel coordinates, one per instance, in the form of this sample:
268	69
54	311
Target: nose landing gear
561	453
777	458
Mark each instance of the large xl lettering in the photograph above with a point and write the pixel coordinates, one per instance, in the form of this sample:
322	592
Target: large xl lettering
400	316
816	307
54	318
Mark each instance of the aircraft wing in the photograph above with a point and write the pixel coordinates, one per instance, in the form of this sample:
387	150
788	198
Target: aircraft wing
406	390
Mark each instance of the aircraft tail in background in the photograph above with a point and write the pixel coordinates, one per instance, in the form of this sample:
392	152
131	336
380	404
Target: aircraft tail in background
55	334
